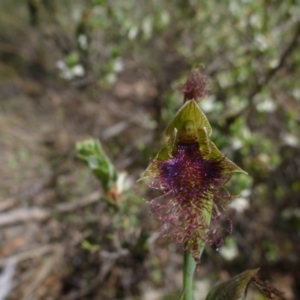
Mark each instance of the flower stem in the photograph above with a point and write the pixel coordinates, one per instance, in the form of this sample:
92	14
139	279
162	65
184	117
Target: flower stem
188	274
189	267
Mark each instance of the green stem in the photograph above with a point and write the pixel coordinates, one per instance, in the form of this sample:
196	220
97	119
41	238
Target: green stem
188	274
189	268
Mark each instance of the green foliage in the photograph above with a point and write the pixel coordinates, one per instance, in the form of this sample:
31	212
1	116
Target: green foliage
233	289
91	152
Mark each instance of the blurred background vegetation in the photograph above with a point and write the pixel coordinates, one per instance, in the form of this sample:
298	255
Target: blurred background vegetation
110	70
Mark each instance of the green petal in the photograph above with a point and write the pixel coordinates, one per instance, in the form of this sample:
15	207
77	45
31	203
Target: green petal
229	166
233	289
189	124
152	170
171	144
189	113
204	142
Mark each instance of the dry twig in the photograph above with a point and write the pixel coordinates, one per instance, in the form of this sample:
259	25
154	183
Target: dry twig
23	215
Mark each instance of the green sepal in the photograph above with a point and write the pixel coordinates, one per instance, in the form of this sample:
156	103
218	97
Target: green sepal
233	289
152	170
189	124
190	111
228	165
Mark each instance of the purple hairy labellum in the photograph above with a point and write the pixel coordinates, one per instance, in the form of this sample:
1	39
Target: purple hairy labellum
190	171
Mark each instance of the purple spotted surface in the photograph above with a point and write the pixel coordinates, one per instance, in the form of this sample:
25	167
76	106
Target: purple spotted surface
190	184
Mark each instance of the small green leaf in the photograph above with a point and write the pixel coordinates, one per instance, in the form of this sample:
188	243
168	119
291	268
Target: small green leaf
72	59
233	289
92	153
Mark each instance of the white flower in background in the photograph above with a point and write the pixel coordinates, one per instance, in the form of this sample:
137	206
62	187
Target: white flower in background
69	73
